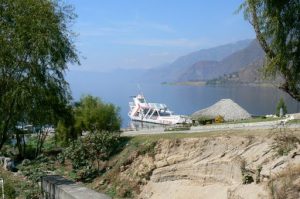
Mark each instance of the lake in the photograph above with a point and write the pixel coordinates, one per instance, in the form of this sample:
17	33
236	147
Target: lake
117	89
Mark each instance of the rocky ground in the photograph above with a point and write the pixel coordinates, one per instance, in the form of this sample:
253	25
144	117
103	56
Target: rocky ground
257	164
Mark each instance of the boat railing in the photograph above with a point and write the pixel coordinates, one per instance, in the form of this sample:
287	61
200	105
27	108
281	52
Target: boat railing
157	106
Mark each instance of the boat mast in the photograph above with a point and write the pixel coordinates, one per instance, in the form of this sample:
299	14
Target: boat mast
141	92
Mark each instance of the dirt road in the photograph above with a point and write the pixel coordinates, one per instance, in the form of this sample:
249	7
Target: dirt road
217	127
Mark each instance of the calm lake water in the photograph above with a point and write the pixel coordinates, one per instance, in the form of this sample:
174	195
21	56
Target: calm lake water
180	99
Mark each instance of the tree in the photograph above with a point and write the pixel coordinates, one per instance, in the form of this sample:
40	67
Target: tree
65	131
281	105
277	27
62	133
91	114
36	46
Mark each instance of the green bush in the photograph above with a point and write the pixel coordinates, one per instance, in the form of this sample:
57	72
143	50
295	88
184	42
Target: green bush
77	153
86	174
203	120
30	151
87	153
36	168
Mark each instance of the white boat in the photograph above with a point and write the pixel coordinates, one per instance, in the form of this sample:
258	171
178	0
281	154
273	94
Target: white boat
141	110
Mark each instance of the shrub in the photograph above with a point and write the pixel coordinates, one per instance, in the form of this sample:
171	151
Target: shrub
34	169
284	142
286	183
30	151
204	120
86	174
246	174
78	155
87	151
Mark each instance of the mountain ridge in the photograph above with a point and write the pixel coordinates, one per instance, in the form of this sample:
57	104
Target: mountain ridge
173	71
203	70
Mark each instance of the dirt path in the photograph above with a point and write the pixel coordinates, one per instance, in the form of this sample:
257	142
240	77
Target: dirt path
217	127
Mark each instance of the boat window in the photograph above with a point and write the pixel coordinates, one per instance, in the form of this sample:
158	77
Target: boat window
155	113
162	113
142	100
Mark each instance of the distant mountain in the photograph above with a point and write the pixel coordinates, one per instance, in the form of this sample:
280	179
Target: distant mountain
206	70
174	71
251	74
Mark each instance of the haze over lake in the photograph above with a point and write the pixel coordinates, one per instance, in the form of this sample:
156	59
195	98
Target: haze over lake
117	88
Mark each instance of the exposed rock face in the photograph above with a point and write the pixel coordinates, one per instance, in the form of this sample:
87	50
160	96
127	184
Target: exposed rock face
214	167
226	108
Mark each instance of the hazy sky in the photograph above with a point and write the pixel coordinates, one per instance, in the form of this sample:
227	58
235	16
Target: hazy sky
148	33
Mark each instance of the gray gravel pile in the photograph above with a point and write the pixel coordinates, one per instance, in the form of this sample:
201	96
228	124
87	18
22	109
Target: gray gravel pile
226	108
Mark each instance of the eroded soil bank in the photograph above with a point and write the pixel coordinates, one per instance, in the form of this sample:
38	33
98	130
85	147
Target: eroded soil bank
224	165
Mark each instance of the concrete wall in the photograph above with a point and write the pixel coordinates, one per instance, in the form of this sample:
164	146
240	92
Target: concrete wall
57	187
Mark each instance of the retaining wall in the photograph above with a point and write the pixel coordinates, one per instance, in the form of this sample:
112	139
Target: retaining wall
57	187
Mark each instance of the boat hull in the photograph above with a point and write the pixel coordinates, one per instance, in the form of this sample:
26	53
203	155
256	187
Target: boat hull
163	120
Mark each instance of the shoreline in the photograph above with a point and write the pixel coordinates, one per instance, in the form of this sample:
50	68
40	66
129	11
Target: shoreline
205	83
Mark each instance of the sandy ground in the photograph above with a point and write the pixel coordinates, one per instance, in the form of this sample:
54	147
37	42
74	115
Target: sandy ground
185	189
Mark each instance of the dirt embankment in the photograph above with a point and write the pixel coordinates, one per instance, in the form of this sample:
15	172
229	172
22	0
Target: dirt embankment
225	166
216	167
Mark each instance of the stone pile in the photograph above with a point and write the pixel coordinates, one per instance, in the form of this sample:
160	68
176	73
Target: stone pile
226	108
